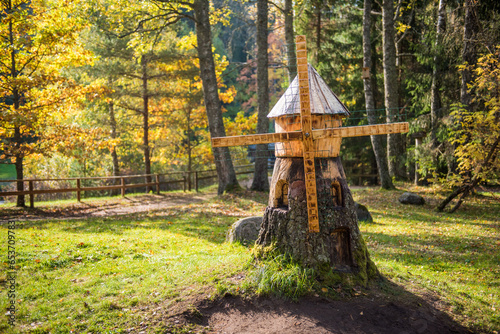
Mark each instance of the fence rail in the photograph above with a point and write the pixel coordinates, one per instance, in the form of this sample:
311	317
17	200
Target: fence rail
185	178
189	180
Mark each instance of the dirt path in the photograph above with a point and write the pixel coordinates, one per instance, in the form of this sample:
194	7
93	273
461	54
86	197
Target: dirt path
104	208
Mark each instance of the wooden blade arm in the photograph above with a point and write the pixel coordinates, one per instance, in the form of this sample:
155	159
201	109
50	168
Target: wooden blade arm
266	138
358	131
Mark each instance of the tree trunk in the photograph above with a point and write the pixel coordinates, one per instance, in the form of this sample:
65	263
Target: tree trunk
19	157
145	120
338	248
318	29
377	95
290	41
436	79
377	141
390	86
260	181
189	147
17	102
223	163
20	184
114	154
469	52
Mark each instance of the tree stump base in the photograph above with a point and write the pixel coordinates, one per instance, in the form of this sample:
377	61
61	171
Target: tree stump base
338	251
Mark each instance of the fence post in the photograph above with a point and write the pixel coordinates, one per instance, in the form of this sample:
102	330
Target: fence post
78	194
123	186
184	182
32	196
196	180
157	184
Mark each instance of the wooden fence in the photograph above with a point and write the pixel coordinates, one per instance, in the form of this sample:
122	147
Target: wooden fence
189	180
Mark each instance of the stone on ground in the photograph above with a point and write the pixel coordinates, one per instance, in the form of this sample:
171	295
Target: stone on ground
245	230
411	198
362	213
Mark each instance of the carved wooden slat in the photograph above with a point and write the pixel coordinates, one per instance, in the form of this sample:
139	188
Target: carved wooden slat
358	131
256	139
307	140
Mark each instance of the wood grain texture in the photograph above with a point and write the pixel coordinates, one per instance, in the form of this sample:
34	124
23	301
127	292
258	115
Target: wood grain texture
323	148
358	131
256	139
307	139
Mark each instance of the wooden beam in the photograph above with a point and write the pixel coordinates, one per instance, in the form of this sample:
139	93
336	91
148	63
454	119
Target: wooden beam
256	139
307	141
364	130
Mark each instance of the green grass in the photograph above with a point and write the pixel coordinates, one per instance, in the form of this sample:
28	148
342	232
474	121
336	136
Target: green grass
95	275
281	276
453	256
7	172
107	275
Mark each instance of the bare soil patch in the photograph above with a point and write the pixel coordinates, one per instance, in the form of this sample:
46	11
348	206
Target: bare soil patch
96	207
367	314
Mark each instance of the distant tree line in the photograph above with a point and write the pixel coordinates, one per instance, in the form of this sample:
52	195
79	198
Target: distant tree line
115	87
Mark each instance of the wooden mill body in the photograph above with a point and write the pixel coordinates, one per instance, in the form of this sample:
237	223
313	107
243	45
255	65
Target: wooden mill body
324	148
308	119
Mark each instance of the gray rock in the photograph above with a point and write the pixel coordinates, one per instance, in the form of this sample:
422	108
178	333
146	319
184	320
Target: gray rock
362	213
245	230
411	198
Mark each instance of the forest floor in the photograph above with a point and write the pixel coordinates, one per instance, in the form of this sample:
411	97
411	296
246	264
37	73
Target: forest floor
159	264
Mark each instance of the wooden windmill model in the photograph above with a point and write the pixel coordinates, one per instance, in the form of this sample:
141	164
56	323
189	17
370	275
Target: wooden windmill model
309	126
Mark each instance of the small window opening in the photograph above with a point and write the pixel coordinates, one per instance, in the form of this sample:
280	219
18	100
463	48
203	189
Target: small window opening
281	194
336	191
341	255
284	193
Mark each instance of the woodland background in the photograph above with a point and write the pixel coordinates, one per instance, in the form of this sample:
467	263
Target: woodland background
98	87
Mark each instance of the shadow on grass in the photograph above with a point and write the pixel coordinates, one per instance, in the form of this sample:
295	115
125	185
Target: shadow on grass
440	248
428	216
209	226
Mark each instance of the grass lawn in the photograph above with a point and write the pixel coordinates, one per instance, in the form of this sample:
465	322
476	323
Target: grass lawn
455	257
7	172
110	274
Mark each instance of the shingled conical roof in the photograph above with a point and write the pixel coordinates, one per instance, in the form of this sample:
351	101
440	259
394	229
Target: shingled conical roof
323	100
